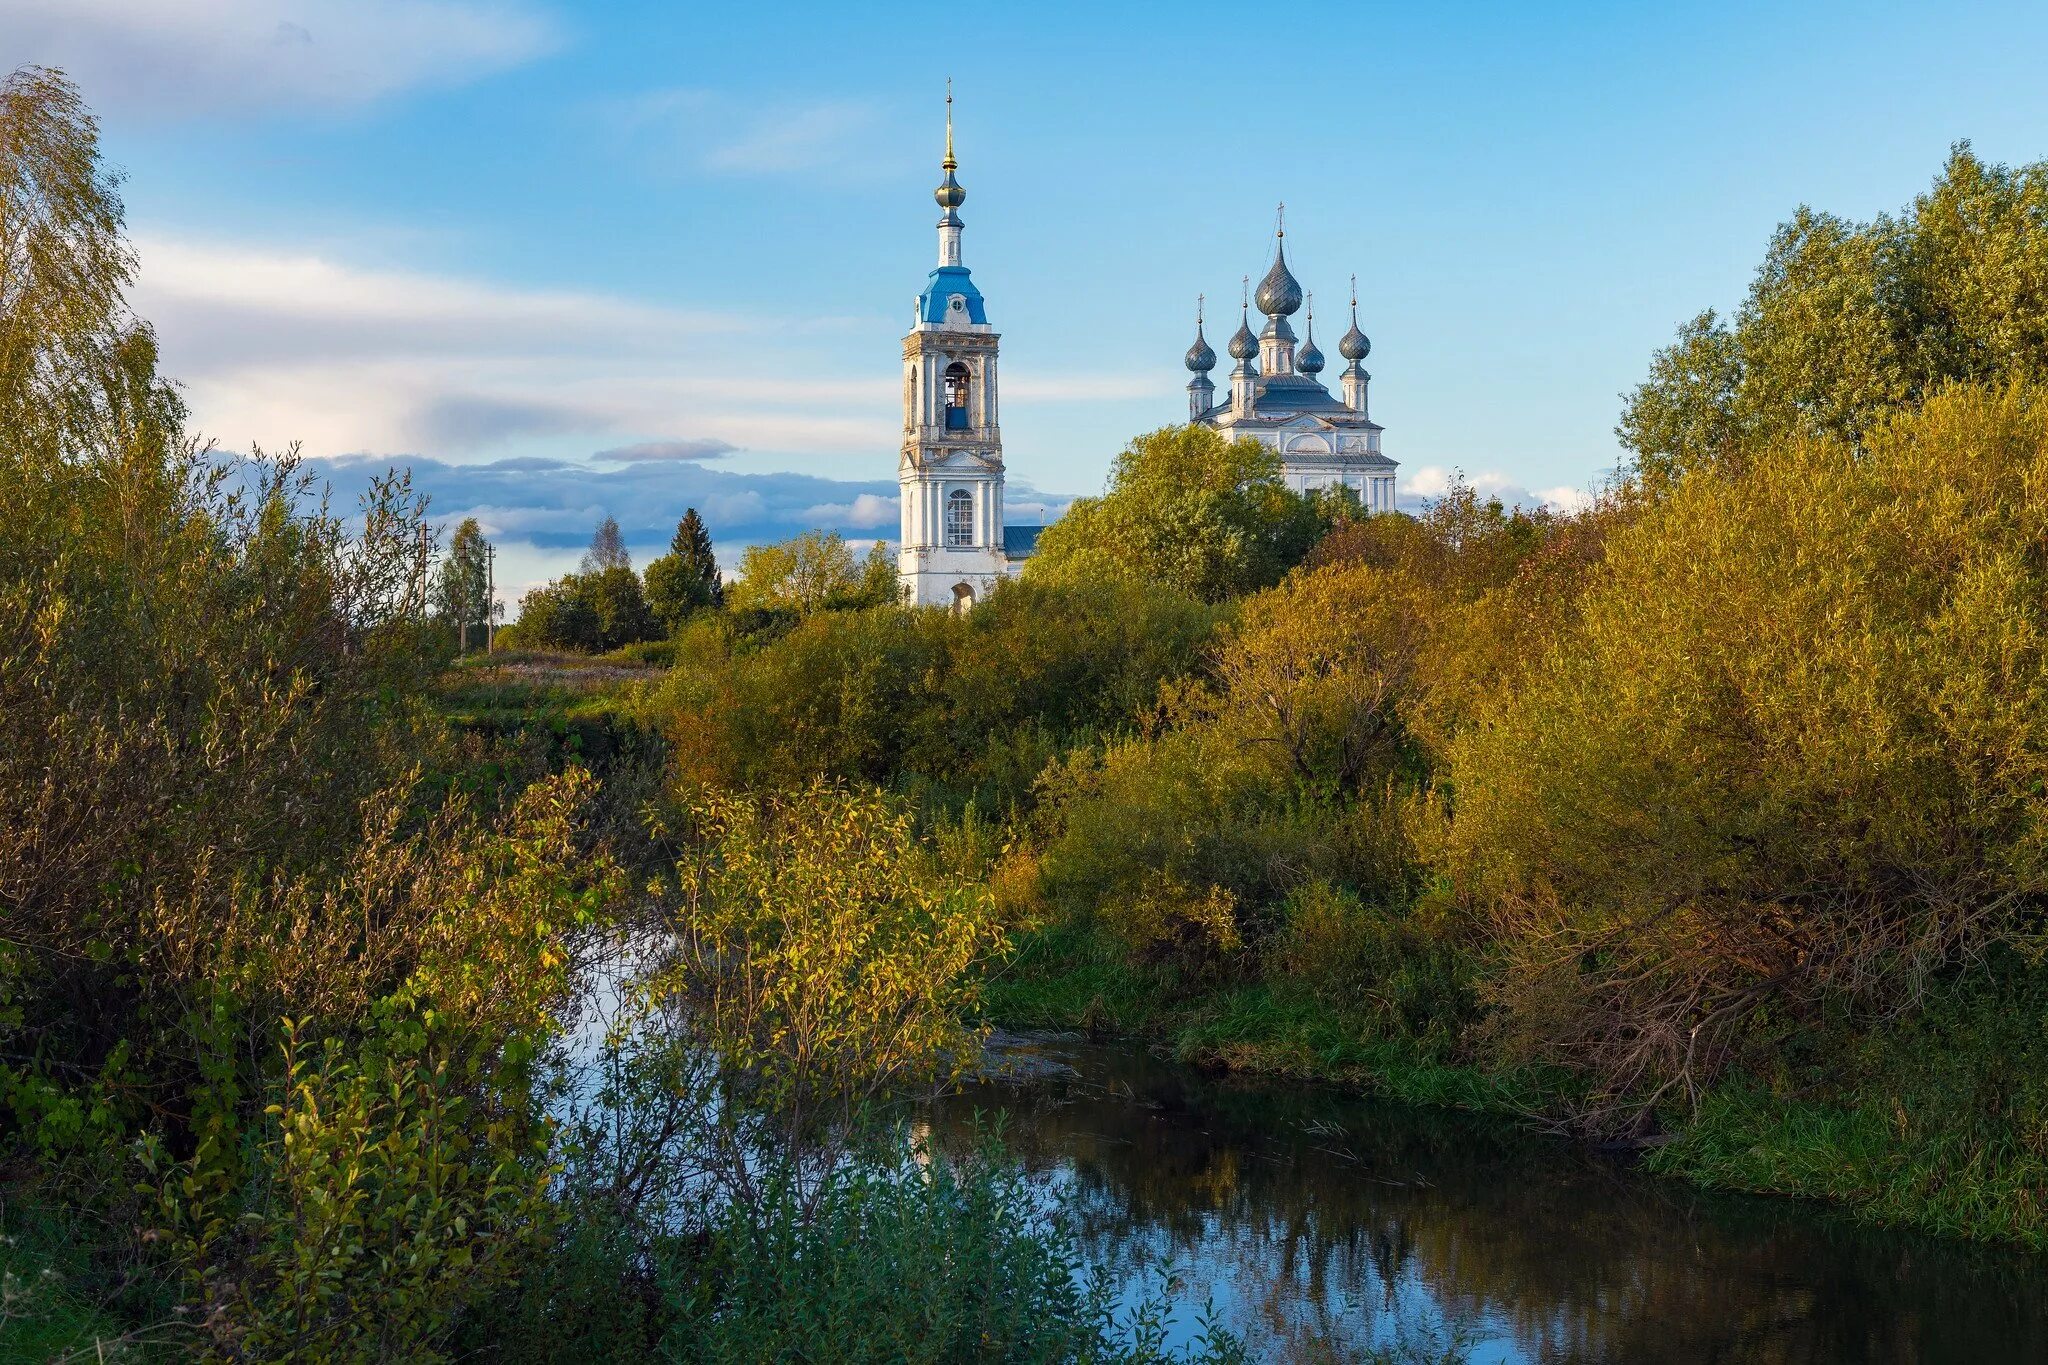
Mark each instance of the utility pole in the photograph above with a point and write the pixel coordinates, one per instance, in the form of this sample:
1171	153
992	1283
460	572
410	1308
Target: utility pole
490	596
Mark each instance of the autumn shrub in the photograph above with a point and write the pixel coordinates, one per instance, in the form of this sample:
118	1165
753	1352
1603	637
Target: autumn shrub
827	957
957	708
213	721
1791	753
1408	967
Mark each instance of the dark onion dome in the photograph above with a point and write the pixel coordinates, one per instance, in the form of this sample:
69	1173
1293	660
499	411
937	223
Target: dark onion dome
949	194
1310	361
1200	358
1279	293
1244	345
1354	346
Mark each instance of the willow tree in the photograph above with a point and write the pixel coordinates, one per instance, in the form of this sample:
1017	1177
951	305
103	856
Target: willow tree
1847	323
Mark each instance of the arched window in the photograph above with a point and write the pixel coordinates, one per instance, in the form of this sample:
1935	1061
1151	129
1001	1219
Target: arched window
956	396
959	517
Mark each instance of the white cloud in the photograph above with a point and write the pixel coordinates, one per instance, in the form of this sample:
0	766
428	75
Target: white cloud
865	512
275	346
1426	483
177	57
756	135
1566	499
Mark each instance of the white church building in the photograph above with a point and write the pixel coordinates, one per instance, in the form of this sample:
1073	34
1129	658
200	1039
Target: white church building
954	546
1277	397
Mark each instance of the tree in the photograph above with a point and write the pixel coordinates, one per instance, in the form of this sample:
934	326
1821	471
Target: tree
620	608
879	586
74	363
686	579
607	549
1847	323
464	590
589	612
1190	510
803	574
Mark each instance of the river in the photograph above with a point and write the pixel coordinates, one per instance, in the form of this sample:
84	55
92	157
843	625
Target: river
1319	1223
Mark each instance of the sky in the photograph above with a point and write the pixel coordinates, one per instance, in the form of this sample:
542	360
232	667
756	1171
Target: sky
569	261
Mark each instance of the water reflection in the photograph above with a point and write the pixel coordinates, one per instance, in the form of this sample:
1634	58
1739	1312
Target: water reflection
1307	1215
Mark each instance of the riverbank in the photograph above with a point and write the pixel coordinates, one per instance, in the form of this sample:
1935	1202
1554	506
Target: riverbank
1931	1122
1316	1224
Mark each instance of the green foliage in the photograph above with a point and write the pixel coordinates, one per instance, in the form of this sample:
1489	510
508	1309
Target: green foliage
589	612
972	705
1187	509
810	573
1938	1117
686	579
1848	323
383	1208
915	1257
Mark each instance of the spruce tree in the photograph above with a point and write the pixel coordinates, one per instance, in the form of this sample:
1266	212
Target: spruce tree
684	580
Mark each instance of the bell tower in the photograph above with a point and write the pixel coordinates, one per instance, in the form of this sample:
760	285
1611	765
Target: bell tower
950	475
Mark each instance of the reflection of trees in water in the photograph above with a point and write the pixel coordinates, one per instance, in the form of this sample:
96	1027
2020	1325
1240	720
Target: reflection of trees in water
1315	1213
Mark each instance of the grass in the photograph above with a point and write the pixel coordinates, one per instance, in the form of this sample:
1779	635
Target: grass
1938	1120
1069	977
53	1308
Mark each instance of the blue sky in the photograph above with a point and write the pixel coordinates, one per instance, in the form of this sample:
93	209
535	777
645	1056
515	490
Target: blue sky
576	260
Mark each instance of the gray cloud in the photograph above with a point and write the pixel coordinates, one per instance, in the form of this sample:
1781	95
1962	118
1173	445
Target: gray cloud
644	452
462	422
555	504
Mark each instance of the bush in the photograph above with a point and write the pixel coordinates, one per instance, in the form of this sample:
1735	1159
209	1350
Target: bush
1791	753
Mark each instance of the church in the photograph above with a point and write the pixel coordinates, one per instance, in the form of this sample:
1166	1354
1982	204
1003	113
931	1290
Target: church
1323	441
953	544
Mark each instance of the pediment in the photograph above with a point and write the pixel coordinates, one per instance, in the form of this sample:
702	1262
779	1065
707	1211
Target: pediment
961	459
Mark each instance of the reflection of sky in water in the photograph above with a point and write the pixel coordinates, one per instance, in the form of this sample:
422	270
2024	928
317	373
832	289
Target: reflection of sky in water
1306	1217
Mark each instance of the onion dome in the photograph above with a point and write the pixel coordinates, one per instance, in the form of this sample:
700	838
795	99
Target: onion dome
949	194
1310	361
1200	358
1244	345
1279	293
1355	345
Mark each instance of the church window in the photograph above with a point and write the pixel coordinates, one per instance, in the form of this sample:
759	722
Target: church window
959	517
956	396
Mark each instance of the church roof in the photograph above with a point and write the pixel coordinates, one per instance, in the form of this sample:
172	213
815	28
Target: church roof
1278	398
945	282
1020	541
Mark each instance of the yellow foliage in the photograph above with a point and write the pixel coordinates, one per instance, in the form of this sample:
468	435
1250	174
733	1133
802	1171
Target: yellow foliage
1795	742
826	956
